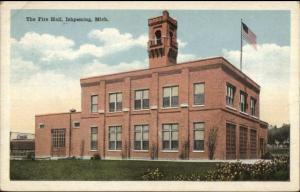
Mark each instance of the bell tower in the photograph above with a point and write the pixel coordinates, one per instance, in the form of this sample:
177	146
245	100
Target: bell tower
162	44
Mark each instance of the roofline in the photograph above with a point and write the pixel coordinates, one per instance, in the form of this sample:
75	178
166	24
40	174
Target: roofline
124	72
48	114
238	71
21	132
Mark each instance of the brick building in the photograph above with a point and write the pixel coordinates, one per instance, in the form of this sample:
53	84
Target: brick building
163	112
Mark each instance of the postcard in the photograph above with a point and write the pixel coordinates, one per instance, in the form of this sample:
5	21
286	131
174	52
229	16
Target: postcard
149	96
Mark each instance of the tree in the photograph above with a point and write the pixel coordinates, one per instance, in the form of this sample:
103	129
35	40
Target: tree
211	143
280	134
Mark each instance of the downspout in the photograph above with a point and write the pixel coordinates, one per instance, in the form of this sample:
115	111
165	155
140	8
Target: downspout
70	134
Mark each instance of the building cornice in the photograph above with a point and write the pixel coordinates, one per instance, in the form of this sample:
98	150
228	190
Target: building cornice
201	64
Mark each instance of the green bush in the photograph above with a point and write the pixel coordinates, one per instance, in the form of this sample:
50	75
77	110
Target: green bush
30	156
267	155
153	175
193	177
277	169
96	157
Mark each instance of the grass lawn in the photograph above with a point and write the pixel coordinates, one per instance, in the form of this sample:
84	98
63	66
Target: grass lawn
97	170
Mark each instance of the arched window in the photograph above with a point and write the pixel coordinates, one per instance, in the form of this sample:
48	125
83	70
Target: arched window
157	38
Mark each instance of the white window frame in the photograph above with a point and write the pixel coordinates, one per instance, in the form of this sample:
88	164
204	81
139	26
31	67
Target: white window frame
142	131
170	132
94	104
170	96
91	138
194	133
230	92
253	106
115	102
40	125
243	102
74	126
141	99
194	96
116	137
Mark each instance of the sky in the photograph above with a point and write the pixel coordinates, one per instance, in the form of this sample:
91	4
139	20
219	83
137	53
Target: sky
49	58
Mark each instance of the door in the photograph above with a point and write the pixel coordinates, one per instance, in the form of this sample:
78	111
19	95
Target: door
230	141
58	148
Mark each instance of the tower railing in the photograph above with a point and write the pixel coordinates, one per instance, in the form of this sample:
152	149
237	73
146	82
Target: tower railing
162	41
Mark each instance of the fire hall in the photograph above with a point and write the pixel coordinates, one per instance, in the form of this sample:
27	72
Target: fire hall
167	111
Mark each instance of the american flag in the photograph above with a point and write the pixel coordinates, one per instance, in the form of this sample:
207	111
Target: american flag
248	35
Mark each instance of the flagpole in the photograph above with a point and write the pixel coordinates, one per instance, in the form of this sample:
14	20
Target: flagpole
241	53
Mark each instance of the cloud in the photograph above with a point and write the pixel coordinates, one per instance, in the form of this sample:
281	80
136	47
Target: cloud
98	68
45	70
183	57
269	63
269	67
181	43
43	92
47	47
111	37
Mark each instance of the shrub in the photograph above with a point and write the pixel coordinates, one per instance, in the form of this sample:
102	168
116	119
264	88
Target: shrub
153	175
30	156
193	177
267	155
96	157
261	170
277	169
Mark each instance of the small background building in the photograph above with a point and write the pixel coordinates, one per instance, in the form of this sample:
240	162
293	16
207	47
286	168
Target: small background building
21	145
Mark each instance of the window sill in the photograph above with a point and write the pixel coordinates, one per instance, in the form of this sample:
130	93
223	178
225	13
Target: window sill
170	151
244	113
93	150
254	117
198	105
198	151
116	150
75	127
114	111
141	110
141	151
232	108
170	107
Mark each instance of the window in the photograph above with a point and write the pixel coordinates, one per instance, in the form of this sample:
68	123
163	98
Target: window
199	94
141	100
141	137
230	90
58	138
170	96
20	137
115	138
41	125
170	136
230	141
94	138
243	102
157	38
243	142
199	136
76	124
252	106
115	102
253	143
94	103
